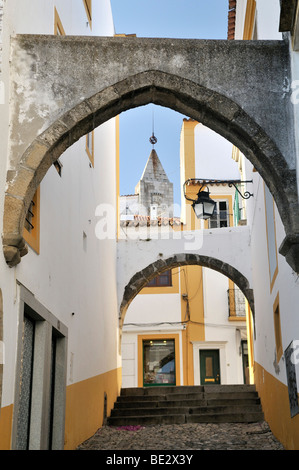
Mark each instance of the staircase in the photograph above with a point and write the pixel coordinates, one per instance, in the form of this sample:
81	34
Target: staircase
187	404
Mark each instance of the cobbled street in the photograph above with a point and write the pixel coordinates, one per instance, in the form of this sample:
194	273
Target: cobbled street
225	436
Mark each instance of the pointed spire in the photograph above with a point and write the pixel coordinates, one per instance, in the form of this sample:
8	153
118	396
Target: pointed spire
154	170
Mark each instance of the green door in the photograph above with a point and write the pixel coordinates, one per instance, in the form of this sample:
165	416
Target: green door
209	367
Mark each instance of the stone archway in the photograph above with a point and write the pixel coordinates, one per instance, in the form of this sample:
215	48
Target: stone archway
140	279
214	92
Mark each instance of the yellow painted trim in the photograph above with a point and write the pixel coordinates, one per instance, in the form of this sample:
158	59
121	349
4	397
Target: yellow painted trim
235	318
174	289
223	197
117	173
277	328
90	153
88	9
249	19
191	283
6	414
85	406
33	237
275	403
84	409
272	281
187	163
249	328
58	28
176	338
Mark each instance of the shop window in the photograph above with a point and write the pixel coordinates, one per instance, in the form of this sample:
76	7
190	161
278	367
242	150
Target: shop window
159	362
88	9
90	146
32	223
162	280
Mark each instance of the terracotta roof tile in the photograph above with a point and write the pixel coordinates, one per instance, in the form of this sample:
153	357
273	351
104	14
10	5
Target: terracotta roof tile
143	220
231	19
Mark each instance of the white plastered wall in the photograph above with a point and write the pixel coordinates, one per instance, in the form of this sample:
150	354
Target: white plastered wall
74	276
286	284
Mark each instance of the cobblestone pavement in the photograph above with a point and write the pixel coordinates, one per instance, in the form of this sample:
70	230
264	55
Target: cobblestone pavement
224	436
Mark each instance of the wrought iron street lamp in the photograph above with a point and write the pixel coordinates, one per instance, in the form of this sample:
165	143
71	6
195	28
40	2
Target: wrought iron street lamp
204	206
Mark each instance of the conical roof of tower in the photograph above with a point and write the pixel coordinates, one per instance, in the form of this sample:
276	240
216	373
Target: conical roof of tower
154	170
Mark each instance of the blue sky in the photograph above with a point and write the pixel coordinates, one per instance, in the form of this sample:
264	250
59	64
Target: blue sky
190	19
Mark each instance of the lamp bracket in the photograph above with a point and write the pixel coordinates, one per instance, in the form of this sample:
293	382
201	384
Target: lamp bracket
205	182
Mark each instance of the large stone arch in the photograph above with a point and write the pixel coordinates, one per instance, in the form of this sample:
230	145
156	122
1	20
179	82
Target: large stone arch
207	99
141	278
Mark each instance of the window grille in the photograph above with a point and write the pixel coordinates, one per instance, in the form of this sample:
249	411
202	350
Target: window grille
236	303
161	280
29	217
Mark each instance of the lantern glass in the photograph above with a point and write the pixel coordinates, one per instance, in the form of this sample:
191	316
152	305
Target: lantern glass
204	206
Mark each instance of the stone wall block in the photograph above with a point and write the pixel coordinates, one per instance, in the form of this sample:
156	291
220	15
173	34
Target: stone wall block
19	181
77	114
53	134
34	155
14	212
85	126
12	255
143	80
103	98
222	106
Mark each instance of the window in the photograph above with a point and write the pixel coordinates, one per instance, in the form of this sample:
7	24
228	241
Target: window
220	218
88	8
32	222
236	303
271	236
277	329
90	146
161	280
159	362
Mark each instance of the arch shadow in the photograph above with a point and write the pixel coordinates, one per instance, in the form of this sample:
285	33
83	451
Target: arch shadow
204	105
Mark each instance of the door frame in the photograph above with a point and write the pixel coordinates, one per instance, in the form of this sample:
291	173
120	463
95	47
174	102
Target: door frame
46	323
176	338
204	345
215	354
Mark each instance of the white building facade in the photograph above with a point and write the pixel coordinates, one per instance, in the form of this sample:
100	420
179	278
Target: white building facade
276	294
56	299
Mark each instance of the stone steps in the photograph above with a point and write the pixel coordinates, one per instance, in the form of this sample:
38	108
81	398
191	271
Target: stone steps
178	405
185	403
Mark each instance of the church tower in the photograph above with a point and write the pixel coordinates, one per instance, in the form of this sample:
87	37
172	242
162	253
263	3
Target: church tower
154	188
